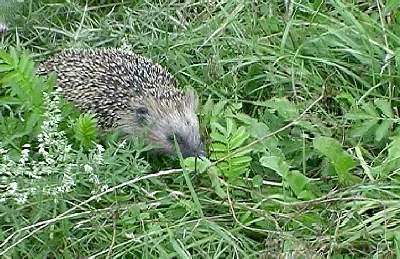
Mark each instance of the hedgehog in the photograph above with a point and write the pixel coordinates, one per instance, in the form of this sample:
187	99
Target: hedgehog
131	94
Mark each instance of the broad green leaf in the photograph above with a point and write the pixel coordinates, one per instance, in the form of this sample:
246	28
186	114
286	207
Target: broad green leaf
383	130
362	128
306	195
216	182
297	181
258	130
340	159
385	107
284	108
394	149
392	162
275	163
240	136
257	181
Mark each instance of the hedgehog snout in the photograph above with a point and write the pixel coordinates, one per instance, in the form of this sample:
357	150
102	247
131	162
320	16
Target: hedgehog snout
190	151
187	147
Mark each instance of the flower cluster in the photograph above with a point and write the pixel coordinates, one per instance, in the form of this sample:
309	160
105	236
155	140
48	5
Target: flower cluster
51	166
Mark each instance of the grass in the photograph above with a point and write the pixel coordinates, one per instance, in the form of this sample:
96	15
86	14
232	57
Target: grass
299	110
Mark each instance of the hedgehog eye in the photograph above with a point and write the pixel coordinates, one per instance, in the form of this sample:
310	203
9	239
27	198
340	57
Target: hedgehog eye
141	114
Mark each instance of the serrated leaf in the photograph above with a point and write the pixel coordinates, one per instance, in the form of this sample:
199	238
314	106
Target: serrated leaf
230	127
216	126
258	130
391	5
246	119
8	100
369	108
218	147
236	171
284	108
5	68
32	121
340	159
218	107
217	155
383	129
9	78
236	161
385	107
85	129
278	164
200	165
14	57
23	63
217	137
362	128
6	57
360	116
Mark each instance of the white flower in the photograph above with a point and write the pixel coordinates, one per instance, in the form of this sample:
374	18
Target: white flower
88	169
12	188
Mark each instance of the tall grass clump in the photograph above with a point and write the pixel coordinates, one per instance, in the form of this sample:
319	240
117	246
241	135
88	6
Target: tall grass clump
299	112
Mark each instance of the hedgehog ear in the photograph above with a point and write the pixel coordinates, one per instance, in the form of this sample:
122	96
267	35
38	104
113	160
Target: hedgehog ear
191	98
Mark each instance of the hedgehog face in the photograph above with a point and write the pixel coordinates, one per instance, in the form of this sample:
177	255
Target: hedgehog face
176	121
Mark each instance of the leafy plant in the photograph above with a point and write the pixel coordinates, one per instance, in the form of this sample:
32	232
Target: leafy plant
301	186
85	130
21	99
375	117
339	158
226	143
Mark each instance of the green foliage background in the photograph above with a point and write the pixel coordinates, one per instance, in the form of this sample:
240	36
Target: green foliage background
299	112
